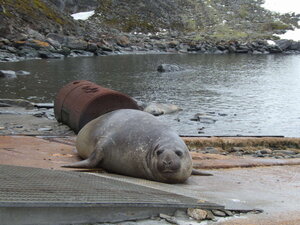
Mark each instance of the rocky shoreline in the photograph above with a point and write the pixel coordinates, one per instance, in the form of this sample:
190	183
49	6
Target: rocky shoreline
57	46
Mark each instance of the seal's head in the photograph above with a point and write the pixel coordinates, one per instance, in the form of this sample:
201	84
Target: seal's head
170	163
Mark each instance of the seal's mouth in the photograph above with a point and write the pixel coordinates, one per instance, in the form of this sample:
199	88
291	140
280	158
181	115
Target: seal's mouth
169	171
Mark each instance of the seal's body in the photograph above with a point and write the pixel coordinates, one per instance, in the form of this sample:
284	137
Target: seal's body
134	143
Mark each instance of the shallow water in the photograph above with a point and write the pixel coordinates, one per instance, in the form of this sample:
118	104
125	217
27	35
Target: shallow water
246	94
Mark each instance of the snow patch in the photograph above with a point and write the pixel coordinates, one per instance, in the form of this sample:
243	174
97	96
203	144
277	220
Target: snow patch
291	35
83	15
285	6
272	43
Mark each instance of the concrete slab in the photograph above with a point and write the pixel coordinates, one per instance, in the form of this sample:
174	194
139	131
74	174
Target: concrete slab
41	196
274	189
35	152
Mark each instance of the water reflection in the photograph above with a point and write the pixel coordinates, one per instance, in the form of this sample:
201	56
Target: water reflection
259	94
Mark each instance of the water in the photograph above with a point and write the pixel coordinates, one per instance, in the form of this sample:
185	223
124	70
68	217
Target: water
246	94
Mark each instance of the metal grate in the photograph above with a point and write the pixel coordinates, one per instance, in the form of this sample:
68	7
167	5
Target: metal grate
34	187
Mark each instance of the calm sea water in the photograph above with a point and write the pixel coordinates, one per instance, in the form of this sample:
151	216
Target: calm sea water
246	94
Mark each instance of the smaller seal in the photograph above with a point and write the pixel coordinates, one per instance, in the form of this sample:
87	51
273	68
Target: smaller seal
134	143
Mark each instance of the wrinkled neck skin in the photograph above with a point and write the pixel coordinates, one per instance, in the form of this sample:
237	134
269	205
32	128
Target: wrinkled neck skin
169	160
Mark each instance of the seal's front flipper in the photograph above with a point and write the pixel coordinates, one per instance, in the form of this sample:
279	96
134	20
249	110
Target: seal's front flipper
199	173
91	162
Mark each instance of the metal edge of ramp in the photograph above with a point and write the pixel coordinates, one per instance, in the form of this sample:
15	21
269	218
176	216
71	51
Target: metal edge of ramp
40	196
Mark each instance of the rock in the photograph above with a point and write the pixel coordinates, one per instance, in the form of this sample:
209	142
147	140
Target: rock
18	102
265	151
158	109
6	56
168	68
228	213
275	49
22	73
284	152
283	44
197	214
218	213
50	55
76	44
169	219
242	49
236	149
210	215
35	34
39	114
80	53
45	129
28	52
211	150
105	46
295	46
8	74
123	41
92	47
53	43
57	37
181	214
4	105
203	118
35	44
296	156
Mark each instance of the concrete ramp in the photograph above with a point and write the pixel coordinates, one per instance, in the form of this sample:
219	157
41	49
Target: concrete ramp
41	196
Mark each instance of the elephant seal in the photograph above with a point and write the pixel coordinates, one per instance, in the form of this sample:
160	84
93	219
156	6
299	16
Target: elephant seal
134	143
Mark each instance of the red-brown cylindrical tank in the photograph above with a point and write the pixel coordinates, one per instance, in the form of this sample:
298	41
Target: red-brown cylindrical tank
81	101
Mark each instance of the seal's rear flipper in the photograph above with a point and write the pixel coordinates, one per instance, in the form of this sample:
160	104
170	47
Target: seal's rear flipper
199	173
91	162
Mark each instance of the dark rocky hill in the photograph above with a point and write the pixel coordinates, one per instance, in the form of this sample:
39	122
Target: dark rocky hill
26	17
216	19
45	29
205	19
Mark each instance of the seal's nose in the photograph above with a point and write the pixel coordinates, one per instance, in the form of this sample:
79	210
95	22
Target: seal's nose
167	163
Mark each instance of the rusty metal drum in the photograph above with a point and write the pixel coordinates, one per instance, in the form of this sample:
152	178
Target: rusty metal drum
81	101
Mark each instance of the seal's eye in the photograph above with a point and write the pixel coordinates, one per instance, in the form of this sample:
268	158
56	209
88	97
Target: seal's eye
179	153
159	152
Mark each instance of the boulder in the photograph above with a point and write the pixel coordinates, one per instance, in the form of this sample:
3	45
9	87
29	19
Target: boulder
50	55
283	44
8	74
123	41
54	43
57	37
80	53
92	47
168	68
28	52
74	43
295	46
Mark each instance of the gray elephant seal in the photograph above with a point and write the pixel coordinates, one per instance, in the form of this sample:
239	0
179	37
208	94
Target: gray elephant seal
134	143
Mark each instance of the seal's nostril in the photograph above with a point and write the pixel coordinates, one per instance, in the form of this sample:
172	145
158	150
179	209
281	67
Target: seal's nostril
167	163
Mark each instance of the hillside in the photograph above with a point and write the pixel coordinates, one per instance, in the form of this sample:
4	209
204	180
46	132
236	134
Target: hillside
203	19
212	19
44	28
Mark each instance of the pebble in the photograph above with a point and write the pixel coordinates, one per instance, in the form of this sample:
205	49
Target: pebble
197	214
218	213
